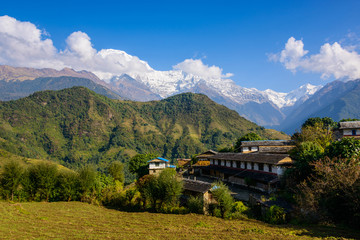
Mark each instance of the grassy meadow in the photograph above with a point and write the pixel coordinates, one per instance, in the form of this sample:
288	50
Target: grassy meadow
75	220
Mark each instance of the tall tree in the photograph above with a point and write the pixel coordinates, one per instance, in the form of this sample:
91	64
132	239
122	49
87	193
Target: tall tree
11	177
116	170
87	182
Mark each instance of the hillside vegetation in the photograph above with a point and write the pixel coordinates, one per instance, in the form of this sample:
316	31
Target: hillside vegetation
76	220
77	126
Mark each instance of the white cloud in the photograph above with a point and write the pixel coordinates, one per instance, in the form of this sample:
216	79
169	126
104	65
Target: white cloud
198	68
332	60
79	44
23	44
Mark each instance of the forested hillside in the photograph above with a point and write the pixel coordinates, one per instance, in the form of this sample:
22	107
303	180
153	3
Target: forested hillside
77	126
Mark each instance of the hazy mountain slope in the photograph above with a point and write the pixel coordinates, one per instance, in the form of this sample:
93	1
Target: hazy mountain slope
18	89
76	126
129	88
8	73
337	100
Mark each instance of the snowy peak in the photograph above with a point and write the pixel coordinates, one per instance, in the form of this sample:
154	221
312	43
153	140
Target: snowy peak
296	96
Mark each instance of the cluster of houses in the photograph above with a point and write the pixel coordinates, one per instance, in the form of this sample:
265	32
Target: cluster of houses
258	165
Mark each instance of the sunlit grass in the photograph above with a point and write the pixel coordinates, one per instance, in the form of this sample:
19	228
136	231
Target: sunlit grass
76	220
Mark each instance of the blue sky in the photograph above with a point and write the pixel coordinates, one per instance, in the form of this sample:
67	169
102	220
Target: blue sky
237	36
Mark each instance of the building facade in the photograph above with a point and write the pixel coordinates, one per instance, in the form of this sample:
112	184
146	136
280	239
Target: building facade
259	165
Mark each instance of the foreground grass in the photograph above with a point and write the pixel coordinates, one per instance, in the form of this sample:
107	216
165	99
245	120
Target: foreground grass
75	220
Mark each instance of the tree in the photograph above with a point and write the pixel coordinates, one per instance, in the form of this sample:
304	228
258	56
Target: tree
68	185
326	122
138	164
304	154
41	180
170	187
247	137
332	192
149	191
10	178
161	190
116	170
222	195
317	132
87	181
345	148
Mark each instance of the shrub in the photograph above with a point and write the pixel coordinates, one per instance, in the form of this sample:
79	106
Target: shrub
240	207
196	205
223	197
275	215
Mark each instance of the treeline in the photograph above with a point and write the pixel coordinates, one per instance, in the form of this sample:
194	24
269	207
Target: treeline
44	181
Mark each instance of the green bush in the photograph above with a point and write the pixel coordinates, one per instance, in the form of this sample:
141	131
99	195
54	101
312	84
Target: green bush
275	215
196	205
221	194
240	207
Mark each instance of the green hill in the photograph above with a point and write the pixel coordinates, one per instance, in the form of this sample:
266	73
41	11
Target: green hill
77	126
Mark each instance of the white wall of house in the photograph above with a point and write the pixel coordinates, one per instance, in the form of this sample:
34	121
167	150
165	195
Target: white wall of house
222	162
159	165
243	165
234	164
211	161
228	163
256	166
248	165
245	149
254	149
266	167
216	162
349	132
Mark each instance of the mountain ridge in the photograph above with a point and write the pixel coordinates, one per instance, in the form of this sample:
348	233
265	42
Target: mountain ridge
77	126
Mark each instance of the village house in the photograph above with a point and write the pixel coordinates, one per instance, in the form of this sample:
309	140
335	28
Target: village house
203	158
259	165
158	164
198	189
348	129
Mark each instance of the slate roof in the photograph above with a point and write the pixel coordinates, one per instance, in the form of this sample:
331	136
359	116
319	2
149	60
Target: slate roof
206	154
196	186
256	157
267	143
350	125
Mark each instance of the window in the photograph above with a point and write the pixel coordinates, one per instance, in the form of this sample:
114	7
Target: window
157	164
270	168
353	132
238	164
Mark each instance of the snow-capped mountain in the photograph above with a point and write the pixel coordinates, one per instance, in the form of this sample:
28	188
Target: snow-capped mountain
289	99
262	107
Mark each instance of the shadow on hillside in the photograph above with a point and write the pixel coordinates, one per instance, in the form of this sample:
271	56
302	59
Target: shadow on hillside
320	231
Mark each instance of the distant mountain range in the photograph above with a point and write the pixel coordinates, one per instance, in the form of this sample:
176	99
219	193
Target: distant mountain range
283	111
337	100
